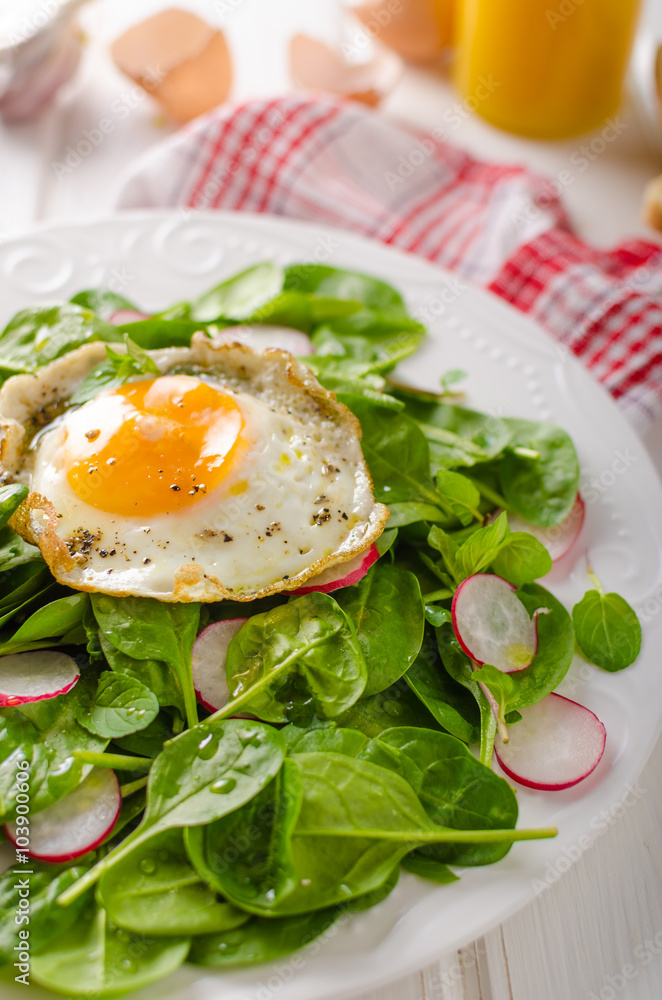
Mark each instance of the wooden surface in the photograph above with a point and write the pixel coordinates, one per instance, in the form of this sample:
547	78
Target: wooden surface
596	932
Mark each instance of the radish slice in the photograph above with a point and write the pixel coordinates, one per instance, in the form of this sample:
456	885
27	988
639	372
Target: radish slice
559	539
75	824
261	337
557	744
208	658
26	677
123	316
343	575
491	623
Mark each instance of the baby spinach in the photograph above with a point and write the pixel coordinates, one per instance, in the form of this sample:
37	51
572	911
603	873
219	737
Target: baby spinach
387	611
122	705
397	453
428	868
146	629
397	705
450	704
459	495
11	497
455	789
37	336
95	958
201	775
522	559
102	301
608	631
539	472
46	920
156	891
57	623
246	856
261	939
300	659
154	674
236	298
135	361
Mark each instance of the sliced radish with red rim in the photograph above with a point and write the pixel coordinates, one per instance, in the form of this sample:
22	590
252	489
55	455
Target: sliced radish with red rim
556	744
342	575
75	824
210	651
27	677
559	538
123	316
491	623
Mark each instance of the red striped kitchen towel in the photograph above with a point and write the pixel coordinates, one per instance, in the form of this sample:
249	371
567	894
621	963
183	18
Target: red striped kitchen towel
336	163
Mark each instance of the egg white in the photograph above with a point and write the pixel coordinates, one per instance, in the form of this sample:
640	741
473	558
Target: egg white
295	502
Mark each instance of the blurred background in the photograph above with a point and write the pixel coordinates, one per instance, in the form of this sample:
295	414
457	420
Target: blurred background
483	73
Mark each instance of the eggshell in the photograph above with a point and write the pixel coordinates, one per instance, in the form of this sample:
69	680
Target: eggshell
315	66
182	61
418	30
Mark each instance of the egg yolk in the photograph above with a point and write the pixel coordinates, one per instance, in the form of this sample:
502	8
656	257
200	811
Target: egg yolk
153	447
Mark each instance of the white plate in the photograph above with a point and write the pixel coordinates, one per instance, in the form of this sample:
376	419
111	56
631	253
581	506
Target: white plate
156	259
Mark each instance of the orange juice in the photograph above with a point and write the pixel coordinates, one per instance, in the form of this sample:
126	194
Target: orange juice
544	68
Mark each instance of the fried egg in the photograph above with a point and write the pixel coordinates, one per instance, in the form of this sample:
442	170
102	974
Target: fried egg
230	474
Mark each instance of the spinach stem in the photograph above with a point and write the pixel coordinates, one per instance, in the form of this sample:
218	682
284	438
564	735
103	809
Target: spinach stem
440	836
492	495
92	875
132	786
594	580
117	761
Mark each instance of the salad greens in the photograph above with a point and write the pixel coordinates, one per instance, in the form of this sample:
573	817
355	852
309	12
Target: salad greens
365	732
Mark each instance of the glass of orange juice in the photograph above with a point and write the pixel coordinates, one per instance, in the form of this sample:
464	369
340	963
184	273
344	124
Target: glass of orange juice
544	68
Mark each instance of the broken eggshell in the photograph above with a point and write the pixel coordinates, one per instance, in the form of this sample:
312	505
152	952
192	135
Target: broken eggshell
316	66
183	62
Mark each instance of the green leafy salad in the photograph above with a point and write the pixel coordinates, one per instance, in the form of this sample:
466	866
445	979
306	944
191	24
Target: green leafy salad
339	734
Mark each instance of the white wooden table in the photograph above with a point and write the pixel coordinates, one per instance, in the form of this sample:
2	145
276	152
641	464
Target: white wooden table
597	931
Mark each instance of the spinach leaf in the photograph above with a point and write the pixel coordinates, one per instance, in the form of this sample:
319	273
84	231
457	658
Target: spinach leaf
327	738
522	559
10	498
452	706
396	451
102	301
459	495
396	706
246	856
148	742
135	361
156	333
261	939
455	789
482	547
15	552
387	611
336	283
539	472
146	629
607	630
460	668
357	821
428	868
122	705
300	659
412	511
201	775
154	674
94	958
458	436
237	298
53	624
37	336
156	891
46	919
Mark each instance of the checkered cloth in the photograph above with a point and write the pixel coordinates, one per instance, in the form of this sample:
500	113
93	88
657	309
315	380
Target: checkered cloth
336	163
